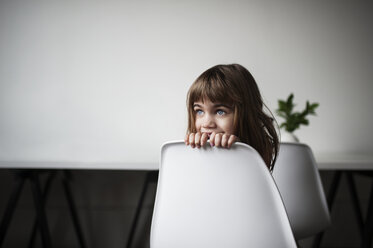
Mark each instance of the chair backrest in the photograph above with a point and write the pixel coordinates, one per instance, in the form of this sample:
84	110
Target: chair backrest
299	183
216	197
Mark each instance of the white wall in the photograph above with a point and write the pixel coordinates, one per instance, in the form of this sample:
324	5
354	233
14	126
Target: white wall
107	80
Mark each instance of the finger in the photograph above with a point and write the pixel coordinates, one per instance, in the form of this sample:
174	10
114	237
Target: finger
204	139
191	140
186	139
212	138
217	141
232	140
197	139
224	140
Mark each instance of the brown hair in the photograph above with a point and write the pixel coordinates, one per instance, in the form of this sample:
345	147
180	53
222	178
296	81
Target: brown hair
235	86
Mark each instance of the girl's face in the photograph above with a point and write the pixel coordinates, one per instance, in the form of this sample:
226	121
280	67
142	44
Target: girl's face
213	117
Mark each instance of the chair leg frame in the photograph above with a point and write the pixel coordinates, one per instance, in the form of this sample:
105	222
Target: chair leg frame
12	204
365	228
40	211
151	177
40	197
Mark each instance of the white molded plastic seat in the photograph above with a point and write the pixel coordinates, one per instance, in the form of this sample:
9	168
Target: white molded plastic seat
216	197
299	183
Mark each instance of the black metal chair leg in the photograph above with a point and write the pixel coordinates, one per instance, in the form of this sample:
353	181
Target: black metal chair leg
154	179
12	203
70	200
47	186
368	226
330	199
39	206
355	201
151	176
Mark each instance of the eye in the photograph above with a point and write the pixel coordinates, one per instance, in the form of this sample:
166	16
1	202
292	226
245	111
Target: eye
220	112
199	112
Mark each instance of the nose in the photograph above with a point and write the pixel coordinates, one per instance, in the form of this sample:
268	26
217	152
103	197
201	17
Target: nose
208	122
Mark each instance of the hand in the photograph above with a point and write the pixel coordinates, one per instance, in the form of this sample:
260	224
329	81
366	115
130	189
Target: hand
216	139
223	139
196	139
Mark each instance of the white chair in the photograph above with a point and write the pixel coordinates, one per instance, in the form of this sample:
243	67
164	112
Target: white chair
298	181
216	197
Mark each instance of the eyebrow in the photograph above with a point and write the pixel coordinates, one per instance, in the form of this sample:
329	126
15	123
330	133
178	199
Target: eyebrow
218	105
221	105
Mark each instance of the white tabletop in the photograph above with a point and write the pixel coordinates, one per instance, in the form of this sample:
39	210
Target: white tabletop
344	161
324	161
77	165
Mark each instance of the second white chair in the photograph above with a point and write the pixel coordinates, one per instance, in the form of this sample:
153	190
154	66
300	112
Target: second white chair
299	183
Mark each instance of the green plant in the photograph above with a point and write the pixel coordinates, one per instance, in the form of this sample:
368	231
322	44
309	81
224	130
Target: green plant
294	119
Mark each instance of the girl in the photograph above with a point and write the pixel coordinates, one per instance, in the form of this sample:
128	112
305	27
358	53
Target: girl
224	105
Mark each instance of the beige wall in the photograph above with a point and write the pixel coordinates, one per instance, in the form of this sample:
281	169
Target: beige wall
106	80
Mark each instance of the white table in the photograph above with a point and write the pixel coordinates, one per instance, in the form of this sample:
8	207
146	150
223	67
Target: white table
344	162
29	170
70	165
324	161
340	163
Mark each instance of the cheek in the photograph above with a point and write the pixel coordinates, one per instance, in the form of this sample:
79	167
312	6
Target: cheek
198	124
228	125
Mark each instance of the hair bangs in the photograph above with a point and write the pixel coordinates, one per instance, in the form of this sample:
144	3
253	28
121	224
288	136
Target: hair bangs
216	91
